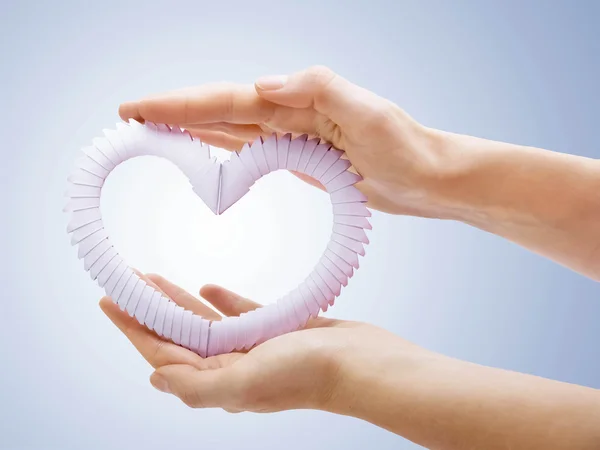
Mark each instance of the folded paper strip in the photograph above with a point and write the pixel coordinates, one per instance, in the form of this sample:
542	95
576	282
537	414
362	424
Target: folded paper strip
219	185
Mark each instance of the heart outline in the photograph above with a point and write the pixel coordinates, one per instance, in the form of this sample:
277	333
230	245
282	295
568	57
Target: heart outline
220	185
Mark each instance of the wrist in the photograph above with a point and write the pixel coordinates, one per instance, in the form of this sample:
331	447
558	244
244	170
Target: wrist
370	378
439	180
466	172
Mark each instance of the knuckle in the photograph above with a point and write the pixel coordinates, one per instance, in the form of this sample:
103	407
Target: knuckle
320	73
320	76
228	111
155	358
186	109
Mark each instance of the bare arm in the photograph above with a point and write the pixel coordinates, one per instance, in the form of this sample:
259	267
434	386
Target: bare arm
546	201
443	403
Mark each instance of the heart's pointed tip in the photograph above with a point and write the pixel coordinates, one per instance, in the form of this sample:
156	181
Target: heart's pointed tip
216	209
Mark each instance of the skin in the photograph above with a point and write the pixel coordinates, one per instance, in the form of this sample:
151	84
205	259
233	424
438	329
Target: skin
542	200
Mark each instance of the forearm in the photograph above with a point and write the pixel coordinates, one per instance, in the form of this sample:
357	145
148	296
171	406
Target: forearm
545	201
442	403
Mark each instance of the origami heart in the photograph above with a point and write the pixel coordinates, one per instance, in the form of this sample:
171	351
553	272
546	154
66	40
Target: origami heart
219	185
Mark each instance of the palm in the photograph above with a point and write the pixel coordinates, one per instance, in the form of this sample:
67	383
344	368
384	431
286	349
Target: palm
293	363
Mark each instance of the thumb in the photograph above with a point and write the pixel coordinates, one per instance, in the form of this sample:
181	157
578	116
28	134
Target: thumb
196	388
320	88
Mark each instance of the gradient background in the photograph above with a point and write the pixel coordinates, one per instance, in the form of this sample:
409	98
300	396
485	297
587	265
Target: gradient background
524	72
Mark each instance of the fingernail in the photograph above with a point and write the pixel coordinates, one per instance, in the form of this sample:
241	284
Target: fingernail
160	383
271	83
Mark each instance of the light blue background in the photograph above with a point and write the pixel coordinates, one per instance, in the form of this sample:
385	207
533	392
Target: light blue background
523	72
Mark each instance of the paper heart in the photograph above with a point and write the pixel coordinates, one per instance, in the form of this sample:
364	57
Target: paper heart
219	185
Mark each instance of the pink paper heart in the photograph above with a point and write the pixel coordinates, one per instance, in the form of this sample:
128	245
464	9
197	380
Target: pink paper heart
219	185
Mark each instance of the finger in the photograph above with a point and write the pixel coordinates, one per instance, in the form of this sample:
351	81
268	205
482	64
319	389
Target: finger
212	103
148	280
241	131
183	298
308	179
227	302
130	110
322	89
196	388
231	304
158	352
218	139
224	102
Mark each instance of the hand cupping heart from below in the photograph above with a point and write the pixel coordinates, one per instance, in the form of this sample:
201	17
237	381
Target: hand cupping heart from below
219	185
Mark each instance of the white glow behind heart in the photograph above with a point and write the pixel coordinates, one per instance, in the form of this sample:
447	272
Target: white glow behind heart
262	247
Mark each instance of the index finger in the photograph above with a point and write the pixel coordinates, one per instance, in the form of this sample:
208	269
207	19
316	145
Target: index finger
154	349
209	103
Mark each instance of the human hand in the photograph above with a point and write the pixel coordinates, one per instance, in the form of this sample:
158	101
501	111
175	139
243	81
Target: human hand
366	372
303	369
400	160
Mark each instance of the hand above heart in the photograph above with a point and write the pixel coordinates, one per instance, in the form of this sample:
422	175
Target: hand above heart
394	154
